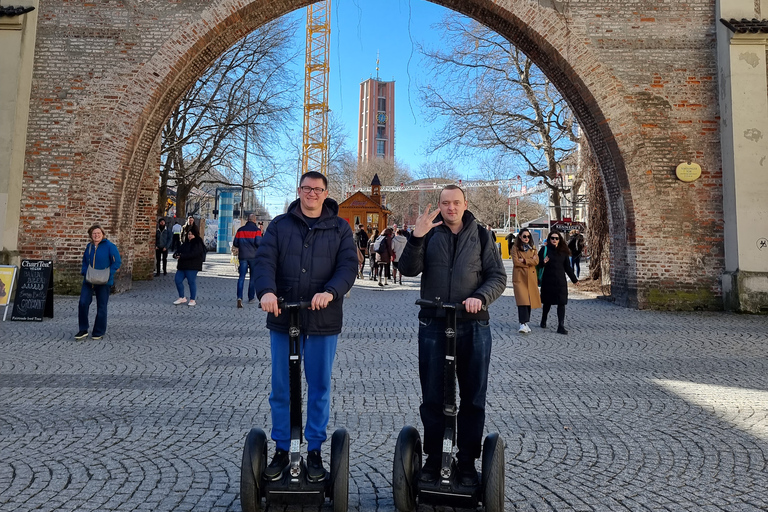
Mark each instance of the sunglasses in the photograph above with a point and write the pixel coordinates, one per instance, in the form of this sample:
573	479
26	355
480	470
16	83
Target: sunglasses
554	238
524	236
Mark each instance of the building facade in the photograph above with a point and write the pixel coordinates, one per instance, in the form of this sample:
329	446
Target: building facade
376	126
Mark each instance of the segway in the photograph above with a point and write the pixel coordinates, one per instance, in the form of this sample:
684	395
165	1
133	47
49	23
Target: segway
447	490
293	486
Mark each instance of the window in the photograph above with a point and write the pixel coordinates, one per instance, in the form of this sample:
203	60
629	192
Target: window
382	104
380	132
357	220
381	147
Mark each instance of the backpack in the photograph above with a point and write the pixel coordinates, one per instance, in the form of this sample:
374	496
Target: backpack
377	244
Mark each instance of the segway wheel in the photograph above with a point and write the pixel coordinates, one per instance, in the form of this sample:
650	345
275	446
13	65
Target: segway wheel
340	470
405	469
254	462
493	473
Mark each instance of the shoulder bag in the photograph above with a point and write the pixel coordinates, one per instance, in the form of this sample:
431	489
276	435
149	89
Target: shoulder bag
97	275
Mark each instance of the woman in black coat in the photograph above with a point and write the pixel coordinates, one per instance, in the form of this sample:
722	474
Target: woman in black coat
190	256
553	257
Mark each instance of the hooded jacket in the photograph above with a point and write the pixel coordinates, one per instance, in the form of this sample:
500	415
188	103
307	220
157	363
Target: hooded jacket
295	262
455	267
163	237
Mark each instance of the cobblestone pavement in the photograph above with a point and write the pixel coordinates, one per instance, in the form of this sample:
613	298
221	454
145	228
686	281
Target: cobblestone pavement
633	410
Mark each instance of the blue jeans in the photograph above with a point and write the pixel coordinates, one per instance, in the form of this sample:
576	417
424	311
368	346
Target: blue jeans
318	353
191	277
86	297
473	357
576	265
247	266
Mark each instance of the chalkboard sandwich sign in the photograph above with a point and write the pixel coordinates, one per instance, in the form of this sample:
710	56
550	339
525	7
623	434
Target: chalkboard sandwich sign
34	294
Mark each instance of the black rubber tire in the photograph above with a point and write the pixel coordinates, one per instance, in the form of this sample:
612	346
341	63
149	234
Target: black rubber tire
340	470
406	468
493	473
254	462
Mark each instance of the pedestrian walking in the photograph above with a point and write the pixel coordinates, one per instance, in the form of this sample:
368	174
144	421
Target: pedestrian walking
524	278
372	256
163	241
190	256
246	243
576	246
185	230
307	254
385	255
398	245
458	263
176	243
99	255
554	289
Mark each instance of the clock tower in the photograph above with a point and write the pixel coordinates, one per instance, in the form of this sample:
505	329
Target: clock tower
376	128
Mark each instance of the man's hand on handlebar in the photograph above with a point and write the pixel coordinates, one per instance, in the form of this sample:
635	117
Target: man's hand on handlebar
321	300
269	304
473	305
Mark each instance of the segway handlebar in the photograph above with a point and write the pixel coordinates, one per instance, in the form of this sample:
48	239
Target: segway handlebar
283	304
458	306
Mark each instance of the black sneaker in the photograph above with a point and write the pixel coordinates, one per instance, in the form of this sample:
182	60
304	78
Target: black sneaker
561	330
81	334
279	462
315	469
468	473
97	337
431	470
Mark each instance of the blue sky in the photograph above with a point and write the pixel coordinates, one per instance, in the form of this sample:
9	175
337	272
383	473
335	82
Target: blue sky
360	29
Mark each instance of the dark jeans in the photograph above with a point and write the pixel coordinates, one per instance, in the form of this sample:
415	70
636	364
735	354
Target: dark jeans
161	255
247	266
473	356
576	264
524	313
86	297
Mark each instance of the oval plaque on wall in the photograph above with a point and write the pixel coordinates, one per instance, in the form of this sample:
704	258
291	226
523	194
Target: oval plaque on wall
688	171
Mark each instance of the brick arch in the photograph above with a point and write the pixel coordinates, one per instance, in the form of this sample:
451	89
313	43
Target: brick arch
542	34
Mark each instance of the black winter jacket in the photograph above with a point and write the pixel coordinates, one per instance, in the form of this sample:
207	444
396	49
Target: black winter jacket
554	289
295	262
455	267
191	255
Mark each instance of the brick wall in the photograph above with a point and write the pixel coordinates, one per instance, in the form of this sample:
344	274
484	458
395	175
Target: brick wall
640	76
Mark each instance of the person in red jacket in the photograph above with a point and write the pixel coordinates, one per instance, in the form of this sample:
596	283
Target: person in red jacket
247	241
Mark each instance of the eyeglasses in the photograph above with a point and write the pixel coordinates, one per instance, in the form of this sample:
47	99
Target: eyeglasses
316	190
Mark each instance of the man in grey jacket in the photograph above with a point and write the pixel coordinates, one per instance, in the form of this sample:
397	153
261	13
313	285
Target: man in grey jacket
460	264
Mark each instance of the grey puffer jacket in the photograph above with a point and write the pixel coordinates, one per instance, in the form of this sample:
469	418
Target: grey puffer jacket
455	267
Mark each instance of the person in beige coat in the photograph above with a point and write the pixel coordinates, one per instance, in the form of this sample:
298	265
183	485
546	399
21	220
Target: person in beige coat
524	280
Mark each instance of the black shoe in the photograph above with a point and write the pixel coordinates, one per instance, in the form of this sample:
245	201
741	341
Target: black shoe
279	462
543	324
165	273
315	469
431	470
561	330
468	473
81	334
239	303
157	274
97	337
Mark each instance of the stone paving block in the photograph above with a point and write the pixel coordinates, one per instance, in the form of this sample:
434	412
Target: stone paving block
633	410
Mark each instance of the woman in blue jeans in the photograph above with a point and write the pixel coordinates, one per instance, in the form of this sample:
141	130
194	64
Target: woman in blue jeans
190	258
99	254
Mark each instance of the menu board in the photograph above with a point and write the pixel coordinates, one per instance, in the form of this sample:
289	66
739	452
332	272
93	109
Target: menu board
34	293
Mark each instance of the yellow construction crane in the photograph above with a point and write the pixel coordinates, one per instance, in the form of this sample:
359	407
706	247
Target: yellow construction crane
315	147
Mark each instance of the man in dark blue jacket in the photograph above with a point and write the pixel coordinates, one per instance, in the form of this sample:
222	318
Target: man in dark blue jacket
247	240
307	254
459	263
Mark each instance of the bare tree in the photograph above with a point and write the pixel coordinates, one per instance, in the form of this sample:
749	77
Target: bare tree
496	103
248	94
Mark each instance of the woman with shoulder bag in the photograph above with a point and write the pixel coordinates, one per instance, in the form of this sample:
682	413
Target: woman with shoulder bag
554	289
524	278
101	260
191	256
